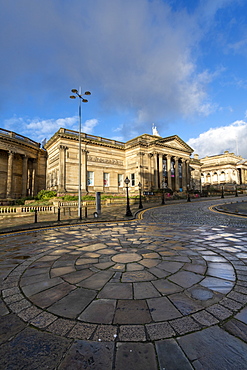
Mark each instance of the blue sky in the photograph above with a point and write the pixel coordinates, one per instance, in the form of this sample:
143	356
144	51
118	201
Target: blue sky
176	63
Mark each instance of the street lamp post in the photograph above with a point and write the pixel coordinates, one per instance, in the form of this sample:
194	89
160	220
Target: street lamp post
236	191
128	211
188	194
222	192
140	196
81	99
163	193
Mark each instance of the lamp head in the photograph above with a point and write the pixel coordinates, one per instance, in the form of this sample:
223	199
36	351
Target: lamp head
87	93
84	100
74	91
72	97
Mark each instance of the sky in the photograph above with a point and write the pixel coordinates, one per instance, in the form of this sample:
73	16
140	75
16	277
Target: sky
177	64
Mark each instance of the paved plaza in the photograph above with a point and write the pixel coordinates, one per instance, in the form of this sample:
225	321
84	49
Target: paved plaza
165	291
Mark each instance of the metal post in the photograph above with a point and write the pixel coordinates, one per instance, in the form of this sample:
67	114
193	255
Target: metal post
35	216
188	194
128	211
236	191
222	192
58	213
140	196
81	99
98	203
163	197
79	184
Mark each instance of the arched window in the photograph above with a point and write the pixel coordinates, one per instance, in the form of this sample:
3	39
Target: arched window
215	177
222	176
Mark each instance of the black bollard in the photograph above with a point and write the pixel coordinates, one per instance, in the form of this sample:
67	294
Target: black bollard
163	197
222	192
35	216
58	214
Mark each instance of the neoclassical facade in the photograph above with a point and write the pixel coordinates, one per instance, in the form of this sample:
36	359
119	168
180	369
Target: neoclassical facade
151	160
22	166
154	162
222	169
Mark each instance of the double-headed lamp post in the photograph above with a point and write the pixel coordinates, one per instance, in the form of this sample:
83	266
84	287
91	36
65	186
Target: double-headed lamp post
163	194
140	195
188	193
128	211
81	99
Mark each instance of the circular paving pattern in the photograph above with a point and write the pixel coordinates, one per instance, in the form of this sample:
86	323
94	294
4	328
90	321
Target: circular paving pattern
131	281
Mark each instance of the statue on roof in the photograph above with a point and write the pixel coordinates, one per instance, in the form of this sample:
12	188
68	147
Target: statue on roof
155	131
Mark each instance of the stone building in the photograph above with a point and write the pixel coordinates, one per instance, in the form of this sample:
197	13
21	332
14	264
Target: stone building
151	160
195	174
22	166
222	169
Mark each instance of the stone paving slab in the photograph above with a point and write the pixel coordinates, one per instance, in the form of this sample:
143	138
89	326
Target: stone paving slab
146	293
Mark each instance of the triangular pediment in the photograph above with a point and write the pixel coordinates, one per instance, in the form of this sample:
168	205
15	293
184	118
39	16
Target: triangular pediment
174	142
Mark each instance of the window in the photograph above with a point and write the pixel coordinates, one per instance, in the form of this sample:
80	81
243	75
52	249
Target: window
132	179
120	180
172	168
164	167
90	178
222	176
180	170
215	178
106	179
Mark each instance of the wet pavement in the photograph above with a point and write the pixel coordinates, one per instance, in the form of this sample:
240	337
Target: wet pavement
166	291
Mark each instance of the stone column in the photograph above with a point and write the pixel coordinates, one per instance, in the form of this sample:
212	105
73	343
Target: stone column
62	168
84	170
151	170
156	174
168	163
176	174
34	178
187	173
160	170
10	175
184	182
24	176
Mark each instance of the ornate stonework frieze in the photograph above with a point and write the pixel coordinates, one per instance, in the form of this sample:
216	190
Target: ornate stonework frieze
104	160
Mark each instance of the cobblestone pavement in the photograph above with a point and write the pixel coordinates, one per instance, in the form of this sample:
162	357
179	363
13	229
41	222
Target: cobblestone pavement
166	291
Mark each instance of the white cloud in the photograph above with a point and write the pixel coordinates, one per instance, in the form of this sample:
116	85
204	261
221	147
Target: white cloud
138	55
39	129
89	125
216	140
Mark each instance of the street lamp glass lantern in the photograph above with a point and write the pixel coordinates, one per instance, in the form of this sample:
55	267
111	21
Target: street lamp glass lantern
140	185
127	181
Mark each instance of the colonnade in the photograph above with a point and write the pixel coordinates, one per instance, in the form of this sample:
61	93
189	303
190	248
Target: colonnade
28	175
165	171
